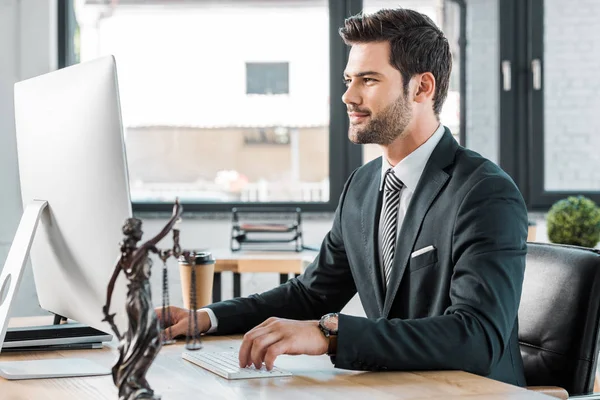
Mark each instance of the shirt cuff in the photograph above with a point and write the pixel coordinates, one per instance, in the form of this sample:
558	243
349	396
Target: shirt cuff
214	322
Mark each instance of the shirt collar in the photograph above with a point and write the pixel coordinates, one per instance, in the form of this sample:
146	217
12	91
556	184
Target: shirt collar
410	169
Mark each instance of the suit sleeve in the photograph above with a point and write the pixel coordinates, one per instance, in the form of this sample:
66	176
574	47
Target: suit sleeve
489	248
326	286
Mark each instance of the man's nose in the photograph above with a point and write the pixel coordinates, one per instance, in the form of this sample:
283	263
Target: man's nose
351	96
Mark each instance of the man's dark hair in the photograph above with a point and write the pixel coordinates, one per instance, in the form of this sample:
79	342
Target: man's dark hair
417	45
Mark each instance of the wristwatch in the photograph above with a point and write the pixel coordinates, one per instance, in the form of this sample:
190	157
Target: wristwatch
328	325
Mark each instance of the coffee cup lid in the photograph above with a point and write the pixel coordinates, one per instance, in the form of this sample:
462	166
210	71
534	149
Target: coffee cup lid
202	258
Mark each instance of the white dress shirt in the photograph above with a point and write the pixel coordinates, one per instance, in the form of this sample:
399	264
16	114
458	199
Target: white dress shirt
409	170
214	322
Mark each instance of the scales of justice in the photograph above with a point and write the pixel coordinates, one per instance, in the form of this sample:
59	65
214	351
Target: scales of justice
145	336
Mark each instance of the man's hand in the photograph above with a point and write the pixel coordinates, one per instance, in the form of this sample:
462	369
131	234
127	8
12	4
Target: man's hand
179	321
278	336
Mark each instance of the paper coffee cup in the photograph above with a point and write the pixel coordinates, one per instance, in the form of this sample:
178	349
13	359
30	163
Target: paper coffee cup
205	270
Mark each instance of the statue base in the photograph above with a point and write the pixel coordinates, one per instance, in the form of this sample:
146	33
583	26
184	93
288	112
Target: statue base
141	394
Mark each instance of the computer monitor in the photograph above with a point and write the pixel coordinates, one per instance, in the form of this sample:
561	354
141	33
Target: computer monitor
71	154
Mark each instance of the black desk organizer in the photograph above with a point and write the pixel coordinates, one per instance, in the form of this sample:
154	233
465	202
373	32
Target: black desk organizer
266	229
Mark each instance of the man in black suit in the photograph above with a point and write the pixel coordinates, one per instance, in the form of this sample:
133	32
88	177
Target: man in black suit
432	236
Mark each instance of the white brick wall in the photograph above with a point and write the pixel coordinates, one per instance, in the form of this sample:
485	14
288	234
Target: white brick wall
482	72
571	95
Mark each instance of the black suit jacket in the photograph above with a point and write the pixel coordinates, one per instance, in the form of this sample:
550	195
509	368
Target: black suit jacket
451	308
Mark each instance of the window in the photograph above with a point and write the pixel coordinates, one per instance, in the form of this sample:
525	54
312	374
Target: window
549	142
212	111
267	136
267	78
226	100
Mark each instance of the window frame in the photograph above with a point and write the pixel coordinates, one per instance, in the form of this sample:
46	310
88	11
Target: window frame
66	32
462	47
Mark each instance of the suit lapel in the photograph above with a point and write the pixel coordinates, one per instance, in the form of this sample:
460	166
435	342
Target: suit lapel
431	183
369	226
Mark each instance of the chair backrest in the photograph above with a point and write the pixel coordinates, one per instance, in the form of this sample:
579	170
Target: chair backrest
559	317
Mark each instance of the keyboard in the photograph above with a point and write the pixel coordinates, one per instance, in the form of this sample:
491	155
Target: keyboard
226	364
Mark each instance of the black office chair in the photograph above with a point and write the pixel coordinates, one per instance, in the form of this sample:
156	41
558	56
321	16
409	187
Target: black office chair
559	318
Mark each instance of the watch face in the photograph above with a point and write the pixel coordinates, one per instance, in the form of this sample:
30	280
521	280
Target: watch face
330	322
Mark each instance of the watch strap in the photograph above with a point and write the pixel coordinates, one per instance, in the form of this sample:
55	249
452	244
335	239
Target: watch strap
332	347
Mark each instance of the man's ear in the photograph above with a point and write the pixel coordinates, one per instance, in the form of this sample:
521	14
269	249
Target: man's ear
424	87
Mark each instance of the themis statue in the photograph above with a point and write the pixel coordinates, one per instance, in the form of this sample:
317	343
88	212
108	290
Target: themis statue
142	341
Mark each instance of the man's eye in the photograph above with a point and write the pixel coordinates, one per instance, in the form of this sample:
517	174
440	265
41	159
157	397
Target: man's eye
347	82
367	80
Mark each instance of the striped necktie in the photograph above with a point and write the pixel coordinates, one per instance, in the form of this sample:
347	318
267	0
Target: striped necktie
391	201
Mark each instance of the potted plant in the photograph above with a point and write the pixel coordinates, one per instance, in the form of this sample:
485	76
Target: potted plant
574	220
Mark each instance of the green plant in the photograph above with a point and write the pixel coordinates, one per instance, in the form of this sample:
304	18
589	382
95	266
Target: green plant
574	220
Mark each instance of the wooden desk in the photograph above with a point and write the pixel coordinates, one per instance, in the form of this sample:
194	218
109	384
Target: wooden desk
314	378
238	262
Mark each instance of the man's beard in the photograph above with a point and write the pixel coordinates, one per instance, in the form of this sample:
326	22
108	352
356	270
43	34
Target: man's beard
384	129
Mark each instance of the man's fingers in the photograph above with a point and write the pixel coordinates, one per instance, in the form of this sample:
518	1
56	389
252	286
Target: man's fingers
171	316
246	347
273	352
158	312
260	347
180	328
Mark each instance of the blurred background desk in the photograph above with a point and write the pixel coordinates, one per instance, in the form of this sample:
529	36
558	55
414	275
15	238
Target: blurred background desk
314	377
238	262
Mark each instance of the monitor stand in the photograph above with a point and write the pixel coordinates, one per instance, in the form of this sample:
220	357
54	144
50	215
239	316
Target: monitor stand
10	279
59	319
